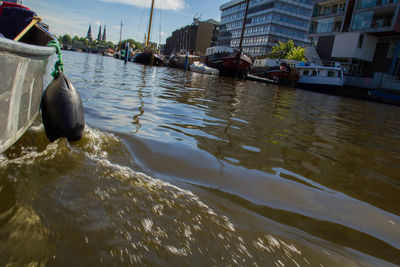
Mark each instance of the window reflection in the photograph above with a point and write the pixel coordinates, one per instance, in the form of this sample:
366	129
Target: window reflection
373	3
362	20
372	19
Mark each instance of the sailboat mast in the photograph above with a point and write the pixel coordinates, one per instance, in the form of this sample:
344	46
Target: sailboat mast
120	35
241	37
151	18
243	25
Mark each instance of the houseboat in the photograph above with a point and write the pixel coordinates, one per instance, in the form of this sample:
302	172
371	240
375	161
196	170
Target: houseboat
225	59
320	78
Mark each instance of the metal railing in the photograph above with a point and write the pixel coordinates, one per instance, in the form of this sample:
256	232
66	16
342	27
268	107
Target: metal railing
379	81
390	82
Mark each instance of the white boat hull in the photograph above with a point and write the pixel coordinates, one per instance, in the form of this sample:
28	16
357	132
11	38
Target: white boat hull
203	68
330	81
22	72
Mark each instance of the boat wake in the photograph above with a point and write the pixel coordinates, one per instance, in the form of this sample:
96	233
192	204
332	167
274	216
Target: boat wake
89	203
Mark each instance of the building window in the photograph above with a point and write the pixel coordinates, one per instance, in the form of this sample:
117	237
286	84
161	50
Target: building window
325	25
373	3
337	26
314	41
370	19
362	20
392	49
360	41
366	3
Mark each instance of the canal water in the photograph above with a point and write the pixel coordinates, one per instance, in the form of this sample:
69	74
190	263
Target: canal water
179	168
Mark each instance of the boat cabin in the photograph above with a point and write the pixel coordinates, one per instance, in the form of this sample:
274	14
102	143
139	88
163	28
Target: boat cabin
322	71
220	49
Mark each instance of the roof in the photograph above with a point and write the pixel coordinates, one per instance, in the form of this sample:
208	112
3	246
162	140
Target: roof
212	21
230	3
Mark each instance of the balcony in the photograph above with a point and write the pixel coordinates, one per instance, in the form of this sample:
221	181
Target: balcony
329	10
332	13
374	20
325	26
374	3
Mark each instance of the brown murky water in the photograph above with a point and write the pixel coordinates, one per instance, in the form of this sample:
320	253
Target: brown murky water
187	169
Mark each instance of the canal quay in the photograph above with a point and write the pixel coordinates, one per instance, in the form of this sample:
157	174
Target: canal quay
183	168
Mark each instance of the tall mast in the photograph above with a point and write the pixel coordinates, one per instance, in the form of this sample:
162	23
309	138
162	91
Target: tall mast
241	37
244	25
151	18
120	35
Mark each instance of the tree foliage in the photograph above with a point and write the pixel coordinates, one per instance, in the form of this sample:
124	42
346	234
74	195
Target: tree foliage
132	43
82	41
282	49
66	39
297	53
287	50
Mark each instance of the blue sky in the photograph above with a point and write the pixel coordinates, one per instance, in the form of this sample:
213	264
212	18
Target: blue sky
74	16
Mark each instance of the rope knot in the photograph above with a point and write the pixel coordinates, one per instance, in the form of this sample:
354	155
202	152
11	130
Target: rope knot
59	65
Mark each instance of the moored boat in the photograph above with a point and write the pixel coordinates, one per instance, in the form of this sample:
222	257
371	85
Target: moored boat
23	66
198	66
182	60
283	75
263	65
225	59
149	57
279	71
320	78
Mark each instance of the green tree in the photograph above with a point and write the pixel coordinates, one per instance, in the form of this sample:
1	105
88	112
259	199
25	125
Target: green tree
66	39
281	49
84	40
287	50
93	44
138	45
297	53
75	39
132	43
110	45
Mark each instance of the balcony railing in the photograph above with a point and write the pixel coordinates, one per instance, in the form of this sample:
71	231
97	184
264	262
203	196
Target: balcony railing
374	3
338	11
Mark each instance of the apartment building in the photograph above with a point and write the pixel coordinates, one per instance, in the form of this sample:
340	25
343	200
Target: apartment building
363	33
195	38
268	21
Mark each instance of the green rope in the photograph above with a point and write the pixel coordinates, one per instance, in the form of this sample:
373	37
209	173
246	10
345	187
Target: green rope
59	65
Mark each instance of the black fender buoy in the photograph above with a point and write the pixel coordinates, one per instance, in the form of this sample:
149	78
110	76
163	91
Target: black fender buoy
62	110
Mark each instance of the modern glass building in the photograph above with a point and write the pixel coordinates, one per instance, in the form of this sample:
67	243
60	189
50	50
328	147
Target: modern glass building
365	33
268	21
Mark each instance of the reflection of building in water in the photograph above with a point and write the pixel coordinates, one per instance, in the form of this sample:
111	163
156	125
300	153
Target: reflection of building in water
327	139
237	119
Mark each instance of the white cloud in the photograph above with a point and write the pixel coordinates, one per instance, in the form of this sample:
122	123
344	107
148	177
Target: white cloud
98	23
117	27
165	4
60	26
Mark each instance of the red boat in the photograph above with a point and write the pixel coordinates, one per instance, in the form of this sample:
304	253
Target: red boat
225	59
283	75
